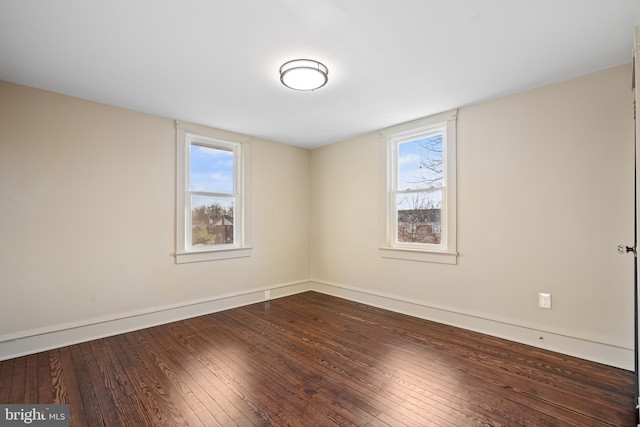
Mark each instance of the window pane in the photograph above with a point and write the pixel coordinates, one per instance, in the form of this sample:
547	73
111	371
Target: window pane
419	217
212	220
420	163
211	169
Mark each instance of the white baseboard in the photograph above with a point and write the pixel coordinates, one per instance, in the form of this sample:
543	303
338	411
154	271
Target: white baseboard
582	347
34	341
56	336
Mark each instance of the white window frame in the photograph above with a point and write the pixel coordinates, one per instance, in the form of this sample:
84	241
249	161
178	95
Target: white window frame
390	139
188	134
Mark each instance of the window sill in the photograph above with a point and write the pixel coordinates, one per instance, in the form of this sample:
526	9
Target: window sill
186	257
439	257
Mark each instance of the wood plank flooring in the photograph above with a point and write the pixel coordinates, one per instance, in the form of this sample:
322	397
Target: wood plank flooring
316	360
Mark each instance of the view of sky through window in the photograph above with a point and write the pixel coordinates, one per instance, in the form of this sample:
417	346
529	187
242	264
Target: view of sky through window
211	169
420	163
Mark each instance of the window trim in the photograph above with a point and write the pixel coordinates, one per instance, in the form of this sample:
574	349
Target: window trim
186	135
390	138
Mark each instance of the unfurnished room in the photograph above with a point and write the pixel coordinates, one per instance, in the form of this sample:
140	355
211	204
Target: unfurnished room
329	213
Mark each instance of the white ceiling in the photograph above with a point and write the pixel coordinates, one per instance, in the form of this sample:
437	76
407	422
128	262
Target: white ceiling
216	62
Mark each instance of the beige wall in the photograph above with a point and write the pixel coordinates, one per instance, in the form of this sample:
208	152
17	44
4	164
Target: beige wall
545	194
87	215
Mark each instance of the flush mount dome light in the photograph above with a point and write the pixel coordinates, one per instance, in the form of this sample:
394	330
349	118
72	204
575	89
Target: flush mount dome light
304	74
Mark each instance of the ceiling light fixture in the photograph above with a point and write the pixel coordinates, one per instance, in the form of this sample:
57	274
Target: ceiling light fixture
304	74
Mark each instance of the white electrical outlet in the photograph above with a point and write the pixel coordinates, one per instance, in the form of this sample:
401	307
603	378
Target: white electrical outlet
544	300
267	294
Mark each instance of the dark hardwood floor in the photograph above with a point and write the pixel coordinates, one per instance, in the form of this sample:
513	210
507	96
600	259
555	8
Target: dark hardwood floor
316	360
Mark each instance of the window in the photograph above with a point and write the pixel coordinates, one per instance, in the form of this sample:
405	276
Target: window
420	196
212	194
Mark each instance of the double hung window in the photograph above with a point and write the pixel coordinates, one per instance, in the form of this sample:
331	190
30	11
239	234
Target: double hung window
211	195
421	190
